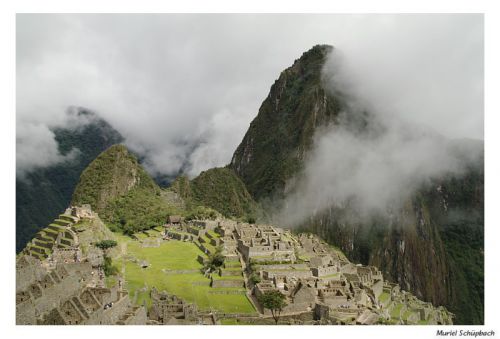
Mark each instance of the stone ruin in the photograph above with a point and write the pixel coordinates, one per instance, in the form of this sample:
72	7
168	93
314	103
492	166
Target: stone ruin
168	309
263	243
324	284
320	285
69	295
80	212
327	285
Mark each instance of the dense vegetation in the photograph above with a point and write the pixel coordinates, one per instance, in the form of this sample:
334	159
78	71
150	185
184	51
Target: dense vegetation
105	244
273	147
140	209
127	199
201	213
112	175
45	193
462	232
219	189
122	192
433	250
464	243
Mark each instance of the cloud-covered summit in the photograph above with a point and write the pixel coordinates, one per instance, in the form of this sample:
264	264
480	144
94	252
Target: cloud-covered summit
183	89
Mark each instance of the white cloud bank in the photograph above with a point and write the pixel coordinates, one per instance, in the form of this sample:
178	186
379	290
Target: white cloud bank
422	89
183	89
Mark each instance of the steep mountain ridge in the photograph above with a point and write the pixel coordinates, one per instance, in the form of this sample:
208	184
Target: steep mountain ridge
273	148
418	245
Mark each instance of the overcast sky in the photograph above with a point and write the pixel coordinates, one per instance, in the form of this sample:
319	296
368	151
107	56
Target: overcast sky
183	89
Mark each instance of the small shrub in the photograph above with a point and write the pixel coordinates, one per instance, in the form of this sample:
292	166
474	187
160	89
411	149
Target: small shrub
215	261
105	244
254	278
109	268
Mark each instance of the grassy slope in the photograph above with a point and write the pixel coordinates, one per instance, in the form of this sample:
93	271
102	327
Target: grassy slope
175	255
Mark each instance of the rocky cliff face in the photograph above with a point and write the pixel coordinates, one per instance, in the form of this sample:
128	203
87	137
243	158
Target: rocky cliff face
274	146
432	245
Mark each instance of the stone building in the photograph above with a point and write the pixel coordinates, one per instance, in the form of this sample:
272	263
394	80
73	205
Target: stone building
69	295
28	270
323	271
302	298
169	309
97	306
263	243
80	212
208	225
174	220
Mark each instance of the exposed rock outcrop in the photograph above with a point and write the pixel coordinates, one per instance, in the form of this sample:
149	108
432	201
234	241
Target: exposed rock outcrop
432	246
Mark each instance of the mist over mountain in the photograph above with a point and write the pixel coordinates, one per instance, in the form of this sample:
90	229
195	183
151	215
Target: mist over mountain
182	89
388	191
370	156
374	144
43	193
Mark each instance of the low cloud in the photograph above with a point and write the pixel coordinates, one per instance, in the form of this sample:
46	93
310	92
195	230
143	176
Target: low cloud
420	90
46	153
427	72
182	89
373	170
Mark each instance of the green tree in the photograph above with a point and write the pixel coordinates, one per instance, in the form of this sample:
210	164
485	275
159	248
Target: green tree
254	278
105	244
215	260
202	212
274	301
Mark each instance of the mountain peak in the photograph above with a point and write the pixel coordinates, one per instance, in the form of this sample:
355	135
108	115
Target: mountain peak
297	103
321	50
112	174
310	62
